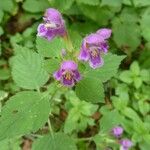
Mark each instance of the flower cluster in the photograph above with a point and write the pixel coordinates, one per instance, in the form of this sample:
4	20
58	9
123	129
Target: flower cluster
53	25
68	73
92	48
125	143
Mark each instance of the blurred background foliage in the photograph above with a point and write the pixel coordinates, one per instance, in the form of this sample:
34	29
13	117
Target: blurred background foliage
128	97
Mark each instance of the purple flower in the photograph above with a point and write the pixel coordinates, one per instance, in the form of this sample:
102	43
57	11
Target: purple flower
68	73
125	144
53	25
105	33
92	47
117	131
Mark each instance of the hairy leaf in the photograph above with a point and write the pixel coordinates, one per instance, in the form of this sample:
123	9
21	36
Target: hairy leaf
28	71
59	141
25	112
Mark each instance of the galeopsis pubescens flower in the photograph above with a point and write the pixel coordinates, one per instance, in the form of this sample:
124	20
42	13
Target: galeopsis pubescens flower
68	73
92	47
117	131
125	144
52	26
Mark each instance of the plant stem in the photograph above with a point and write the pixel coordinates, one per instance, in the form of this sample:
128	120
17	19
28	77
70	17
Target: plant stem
85	139
50	127
68	42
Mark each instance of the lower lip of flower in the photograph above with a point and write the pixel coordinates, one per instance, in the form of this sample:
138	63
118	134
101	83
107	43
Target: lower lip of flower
94	53
68	75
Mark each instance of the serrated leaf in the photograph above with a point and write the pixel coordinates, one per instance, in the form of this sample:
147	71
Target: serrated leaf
116	3
24	112
126	76
51	65
100	15
135	68
49	48
141	3
108	70
89	2
62	5
145	24
110	120
4	74
130	113
137	82
8	144
35	6
7	5
90	89
145	75
28	70
144	107
60	141
126	33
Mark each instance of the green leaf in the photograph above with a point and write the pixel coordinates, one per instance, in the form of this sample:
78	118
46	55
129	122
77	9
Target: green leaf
49	48
141	3
51	65
108	70
1	15
116	3
4	74
135	68
104	13
1	30
62	5
145	75
122	91
107	123
23	113
126	77
3	95
126	33
7	5
60	141
12	144
76	39
35	6
144	107
130	113
27	70
89	2
79	115
127	2
90	89
145	24
137	82
119	103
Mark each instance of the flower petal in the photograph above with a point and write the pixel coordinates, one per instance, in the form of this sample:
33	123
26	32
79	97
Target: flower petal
105	33
84	54
94	39
96	62
69	65
77	75
68	83
52	15
57	75
42	30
